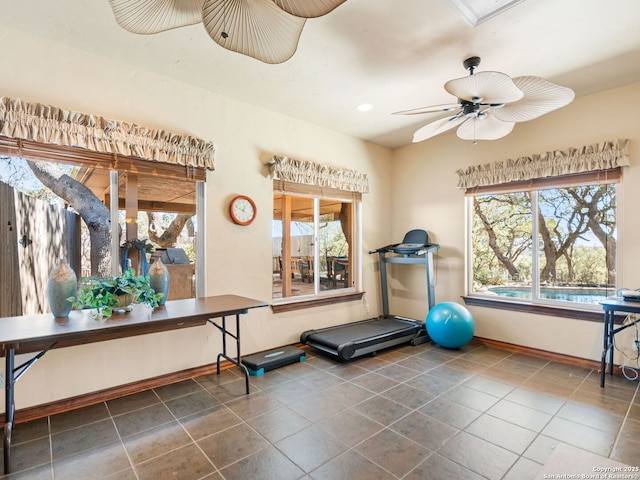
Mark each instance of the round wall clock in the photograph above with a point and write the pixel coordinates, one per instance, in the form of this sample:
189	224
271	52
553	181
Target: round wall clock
243	210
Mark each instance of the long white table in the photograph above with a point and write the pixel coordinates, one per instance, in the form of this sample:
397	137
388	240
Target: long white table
41	333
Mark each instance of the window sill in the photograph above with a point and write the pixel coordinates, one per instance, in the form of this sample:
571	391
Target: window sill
576	314
316	302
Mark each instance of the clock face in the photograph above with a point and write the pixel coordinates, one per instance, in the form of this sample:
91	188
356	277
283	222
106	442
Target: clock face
242	210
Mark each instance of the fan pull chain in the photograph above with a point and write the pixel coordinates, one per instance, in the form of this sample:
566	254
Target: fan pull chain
224	34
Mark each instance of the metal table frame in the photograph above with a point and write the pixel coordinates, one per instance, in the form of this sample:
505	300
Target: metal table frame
612	306
41	333
236	361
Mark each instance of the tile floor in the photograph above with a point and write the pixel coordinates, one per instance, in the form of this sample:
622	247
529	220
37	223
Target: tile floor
408	413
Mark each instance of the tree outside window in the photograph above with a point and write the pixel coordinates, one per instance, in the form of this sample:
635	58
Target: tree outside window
545	246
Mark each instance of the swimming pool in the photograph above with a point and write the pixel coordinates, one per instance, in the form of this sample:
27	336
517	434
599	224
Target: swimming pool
565	294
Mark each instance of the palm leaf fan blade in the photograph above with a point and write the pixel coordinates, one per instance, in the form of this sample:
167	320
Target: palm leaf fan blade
489	87
437	127
540	97
256	28
153	16
487	128
445	107
308	8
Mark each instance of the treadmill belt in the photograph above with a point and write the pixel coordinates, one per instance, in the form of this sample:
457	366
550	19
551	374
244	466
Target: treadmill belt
359	338
361	330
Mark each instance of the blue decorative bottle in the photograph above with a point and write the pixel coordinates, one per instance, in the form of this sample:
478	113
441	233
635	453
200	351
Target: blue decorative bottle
159	279
61	285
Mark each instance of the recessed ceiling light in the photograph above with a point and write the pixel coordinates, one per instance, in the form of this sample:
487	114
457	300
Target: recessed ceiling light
364	107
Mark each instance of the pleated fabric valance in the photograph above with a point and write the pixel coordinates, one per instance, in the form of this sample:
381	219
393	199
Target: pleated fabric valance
600	156
53	125
310	173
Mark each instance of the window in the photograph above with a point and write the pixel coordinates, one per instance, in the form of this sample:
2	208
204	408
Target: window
159	208
98	167
313	243
552	242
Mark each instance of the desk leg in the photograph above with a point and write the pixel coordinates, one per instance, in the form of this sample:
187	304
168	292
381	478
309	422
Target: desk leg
607	350
238	361
612	335
10	408
222	329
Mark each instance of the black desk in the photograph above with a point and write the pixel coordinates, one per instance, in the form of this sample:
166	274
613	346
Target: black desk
612	306
41	333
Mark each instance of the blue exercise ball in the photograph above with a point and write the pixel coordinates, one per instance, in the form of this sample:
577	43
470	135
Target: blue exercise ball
450	325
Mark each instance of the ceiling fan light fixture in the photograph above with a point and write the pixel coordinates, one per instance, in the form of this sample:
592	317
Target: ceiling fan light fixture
470	109
494	98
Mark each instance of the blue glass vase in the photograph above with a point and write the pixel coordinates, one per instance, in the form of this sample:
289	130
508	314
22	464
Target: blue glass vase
61	285
159	279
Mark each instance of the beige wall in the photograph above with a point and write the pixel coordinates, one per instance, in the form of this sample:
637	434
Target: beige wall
238	258
425	196
413	187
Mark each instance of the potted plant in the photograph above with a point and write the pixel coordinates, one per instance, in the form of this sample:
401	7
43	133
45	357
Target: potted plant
109	294
144	248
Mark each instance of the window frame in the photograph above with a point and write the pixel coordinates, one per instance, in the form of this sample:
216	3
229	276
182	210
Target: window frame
536	304
332	296
116	163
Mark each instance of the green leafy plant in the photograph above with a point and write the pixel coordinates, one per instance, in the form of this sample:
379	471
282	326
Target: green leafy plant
139	244
104	294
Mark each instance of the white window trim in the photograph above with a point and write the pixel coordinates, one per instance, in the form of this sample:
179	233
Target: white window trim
535	287
357	242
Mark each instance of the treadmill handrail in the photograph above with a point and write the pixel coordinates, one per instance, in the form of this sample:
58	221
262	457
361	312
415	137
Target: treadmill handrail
384	249
427	247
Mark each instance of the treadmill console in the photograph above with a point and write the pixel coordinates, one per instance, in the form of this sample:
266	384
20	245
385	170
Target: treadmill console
407	248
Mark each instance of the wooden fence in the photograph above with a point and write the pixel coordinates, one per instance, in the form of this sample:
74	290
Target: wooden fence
35	235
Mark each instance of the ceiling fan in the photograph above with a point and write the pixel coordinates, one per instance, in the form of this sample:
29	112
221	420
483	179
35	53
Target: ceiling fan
491	103
267	30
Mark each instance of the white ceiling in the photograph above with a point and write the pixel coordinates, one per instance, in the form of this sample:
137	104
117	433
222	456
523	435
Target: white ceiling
394	54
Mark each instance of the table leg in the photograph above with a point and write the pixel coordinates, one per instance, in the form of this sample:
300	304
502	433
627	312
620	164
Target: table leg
238	361
222	329
612	334
605	344
607	347
9	408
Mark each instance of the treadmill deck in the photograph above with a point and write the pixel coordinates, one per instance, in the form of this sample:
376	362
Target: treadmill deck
360	338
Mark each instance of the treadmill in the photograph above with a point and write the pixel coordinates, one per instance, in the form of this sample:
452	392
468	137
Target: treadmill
352	340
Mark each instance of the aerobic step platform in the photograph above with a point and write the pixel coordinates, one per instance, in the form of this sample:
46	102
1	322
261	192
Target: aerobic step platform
258	363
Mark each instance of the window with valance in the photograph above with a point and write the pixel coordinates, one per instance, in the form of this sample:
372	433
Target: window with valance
543	229
31	128
315	229
141	174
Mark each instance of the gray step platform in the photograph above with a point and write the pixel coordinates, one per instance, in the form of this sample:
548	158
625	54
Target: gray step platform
259	363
